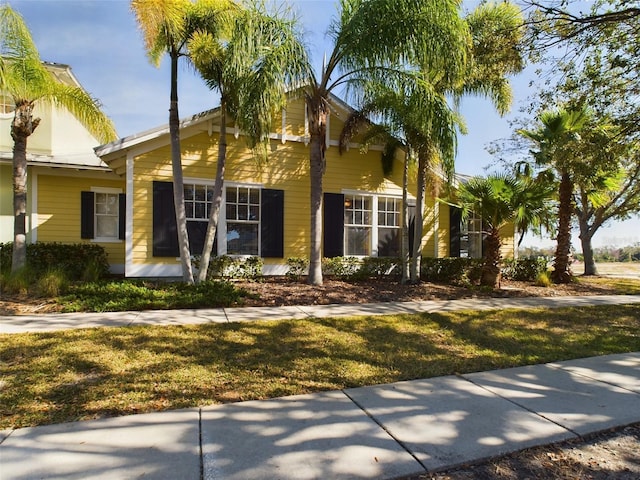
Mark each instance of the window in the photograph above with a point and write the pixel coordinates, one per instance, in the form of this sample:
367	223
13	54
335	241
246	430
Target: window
7	104
389	226
106	215
102	214
471	237
358	216
197	201
243	220
371	225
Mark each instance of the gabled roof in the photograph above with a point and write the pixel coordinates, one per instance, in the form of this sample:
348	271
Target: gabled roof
116	148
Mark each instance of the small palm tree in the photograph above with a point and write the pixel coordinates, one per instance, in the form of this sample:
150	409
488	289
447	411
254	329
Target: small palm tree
252	66
500	199
24	78
555	154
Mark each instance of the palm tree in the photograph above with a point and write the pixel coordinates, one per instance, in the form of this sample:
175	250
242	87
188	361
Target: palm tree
500	199
416	108
24	78
377	38
252	66
555	139
168	27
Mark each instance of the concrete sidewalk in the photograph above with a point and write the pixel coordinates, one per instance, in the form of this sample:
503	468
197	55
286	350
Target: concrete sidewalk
64	321
379	432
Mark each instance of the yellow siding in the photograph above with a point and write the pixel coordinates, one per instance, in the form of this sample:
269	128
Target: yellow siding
59	210
508	241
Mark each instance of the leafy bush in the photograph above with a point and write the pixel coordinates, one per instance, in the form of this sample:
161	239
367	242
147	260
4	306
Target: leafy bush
297	267
450	270
380	267
74	259
524	269
341	267
16	282
228	267
52	283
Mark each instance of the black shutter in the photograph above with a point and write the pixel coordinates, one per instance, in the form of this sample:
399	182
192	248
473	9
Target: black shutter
87	206
333	226
122	204
455	219
165	230
272	223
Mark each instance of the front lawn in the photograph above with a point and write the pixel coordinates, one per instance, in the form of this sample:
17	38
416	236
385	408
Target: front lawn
82	374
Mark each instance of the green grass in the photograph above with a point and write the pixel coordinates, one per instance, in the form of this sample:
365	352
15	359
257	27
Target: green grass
117	296
82	374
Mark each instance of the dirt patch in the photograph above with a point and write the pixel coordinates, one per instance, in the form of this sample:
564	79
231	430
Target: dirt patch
608	455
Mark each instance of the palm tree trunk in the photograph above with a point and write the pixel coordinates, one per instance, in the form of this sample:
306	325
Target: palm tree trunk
178	183
491	267
587	249
317	111
405	255
561	272
214	216
22	127
419	221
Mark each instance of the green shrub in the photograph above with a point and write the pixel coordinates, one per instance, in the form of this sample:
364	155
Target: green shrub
228	267
52	283
17	282
523	269
74	259
296	267
380	267
449	270
543	279
341	267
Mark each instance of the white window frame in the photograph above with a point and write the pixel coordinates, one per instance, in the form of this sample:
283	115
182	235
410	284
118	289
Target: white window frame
471	229
223	222
197	183
108	191
374	237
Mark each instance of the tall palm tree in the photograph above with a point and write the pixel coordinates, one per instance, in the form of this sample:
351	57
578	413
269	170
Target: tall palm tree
252	66
168	27
555	138
374	38
500	199
24	78
416	107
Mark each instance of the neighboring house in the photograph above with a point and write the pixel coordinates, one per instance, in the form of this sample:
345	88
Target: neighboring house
120	194
62	169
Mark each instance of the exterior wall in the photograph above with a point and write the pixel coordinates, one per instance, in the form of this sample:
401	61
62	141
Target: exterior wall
6	203
58	208
40	141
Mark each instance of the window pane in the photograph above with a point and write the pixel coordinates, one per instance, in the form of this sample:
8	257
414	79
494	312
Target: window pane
188	192
348	217
358	241
254	196
106	227
188	206
200	211
242	212
231	212
254	213
209	194
201	193
231	195
243	195
358	218
388	242
242	239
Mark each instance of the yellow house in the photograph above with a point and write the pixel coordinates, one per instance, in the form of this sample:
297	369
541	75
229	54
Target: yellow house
61	165
266	206
119	195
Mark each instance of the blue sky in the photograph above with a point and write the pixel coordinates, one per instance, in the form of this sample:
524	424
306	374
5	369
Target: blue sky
100	40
